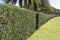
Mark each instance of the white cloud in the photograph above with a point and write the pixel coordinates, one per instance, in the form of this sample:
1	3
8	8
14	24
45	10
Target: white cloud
55	3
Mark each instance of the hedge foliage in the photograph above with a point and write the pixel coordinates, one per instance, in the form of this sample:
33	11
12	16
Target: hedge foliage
18	23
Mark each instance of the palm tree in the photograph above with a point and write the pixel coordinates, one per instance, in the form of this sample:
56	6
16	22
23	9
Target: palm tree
25	3
13	2
7	1
45	6
20	3
31	4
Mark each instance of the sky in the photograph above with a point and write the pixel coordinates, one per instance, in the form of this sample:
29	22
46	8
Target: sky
53	3
17	4
1	1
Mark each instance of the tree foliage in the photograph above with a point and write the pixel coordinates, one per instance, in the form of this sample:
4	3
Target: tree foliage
36	5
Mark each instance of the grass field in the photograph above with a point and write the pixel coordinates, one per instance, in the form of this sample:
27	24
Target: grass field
48	31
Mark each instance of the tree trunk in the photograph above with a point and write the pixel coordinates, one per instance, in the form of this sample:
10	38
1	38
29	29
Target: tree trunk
25	3
20	3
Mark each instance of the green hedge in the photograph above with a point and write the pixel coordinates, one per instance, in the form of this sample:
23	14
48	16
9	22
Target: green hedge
43	18
18	23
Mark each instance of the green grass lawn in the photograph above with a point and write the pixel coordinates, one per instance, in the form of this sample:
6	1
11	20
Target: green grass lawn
48	31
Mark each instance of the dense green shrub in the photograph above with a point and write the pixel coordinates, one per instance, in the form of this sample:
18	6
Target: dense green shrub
18	23
43	18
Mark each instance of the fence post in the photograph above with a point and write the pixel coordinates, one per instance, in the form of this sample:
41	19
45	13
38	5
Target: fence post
37	20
